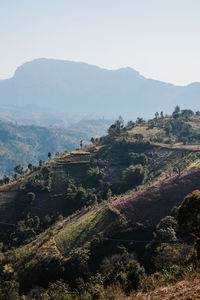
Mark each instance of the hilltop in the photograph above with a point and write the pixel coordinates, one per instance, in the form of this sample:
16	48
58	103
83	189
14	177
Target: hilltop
66	89
81	215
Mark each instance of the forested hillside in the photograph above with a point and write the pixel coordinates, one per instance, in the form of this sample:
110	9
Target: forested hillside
117	218
25	145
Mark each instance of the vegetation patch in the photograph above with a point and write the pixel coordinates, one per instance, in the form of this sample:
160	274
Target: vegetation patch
85	228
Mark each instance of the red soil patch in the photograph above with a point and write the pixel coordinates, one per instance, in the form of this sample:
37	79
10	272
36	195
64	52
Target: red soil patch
155	202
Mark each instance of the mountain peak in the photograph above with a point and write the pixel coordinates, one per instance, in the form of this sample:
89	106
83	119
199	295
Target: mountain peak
128	70
81	89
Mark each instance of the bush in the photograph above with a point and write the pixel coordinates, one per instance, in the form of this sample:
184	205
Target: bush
137	158
134	175
167	255
122	269
58	290
189	217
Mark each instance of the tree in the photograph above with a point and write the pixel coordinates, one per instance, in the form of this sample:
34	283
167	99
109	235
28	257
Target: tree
134	175
18	169
130	125
165	233
58	290
166	230
180	167
156	115
79	262
6	179
139	137
115	129
189	217
186	113
137	158
197	113
49	155
95	176
123	269
140	121
31	197
176	112
81	144
168	255
30	167
92	140
177	109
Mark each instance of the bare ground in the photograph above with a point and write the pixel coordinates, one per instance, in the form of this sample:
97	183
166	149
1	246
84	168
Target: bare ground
183	290
149	205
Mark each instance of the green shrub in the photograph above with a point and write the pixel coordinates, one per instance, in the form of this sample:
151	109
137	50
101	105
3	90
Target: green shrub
134	175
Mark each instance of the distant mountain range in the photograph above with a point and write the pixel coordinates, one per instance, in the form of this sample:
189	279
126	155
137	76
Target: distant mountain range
50	91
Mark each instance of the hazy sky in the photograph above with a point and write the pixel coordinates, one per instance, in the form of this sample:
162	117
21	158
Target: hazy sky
159	38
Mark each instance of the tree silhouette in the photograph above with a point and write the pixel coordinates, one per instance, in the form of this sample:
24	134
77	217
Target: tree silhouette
189	217
81	144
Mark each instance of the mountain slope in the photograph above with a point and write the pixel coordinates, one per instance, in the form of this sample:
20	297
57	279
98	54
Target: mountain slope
63	222
151	204
21	144
81	89
183	290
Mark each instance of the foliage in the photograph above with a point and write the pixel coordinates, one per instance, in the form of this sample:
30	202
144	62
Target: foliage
95	176
18	169
124	269
189	217
116	128
58	290
137	158
134	175
167	255
189	214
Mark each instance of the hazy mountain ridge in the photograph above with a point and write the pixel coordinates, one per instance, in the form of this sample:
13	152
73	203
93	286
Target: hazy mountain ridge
80	89
21	144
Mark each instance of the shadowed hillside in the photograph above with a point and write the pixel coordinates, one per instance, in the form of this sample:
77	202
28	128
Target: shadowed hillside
151	204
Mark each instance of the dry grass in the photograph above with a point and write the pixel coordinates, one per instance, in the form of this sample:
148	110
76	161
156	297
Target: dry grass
183	290
147	133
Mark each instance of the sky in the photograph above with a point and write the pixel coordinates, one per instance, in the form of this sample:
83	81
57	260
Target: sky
158	38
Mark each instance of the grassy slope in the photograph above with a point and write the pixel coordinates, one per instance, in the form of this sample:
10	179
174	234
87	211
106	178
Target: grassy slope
150	133
82	229
57	241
